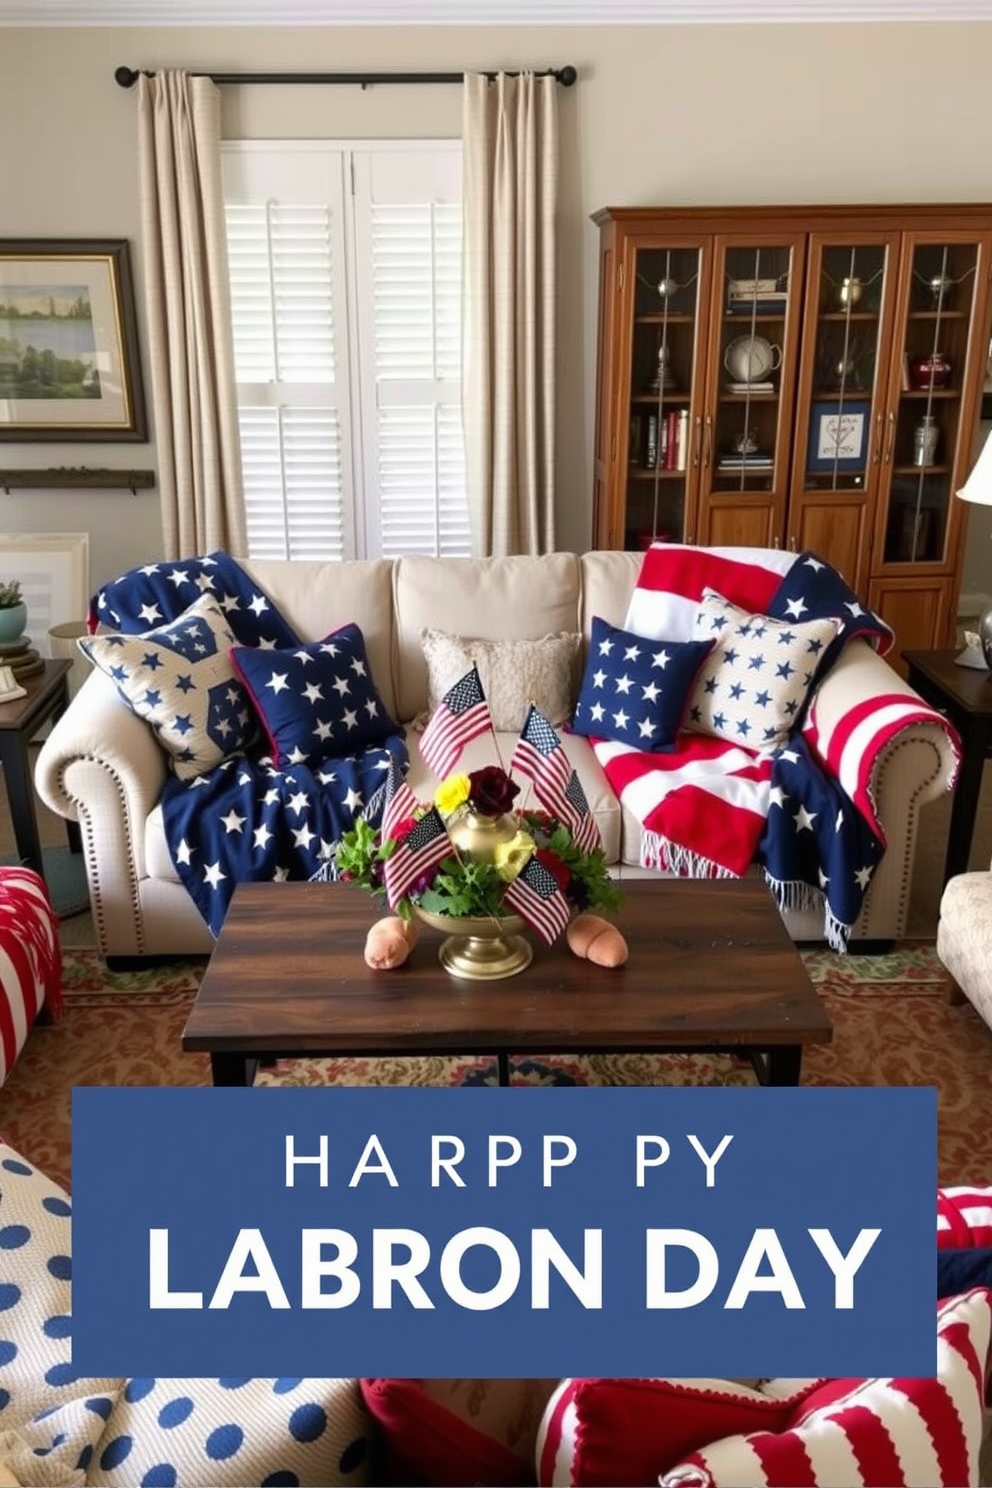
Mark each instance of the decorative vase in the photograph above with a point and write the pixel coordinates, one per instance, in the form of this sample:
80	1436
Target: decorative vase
12	622
484	947
849	292
932	369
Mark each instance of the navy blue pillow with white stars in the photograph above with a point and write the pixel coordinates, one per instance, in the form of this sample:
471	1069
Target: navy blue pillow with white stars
753	689
315	699
635	690
179	678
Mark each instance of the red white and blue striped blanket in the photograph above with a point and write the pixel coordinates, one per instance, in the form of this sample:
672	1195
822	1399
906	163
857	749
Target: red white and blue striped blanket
804	810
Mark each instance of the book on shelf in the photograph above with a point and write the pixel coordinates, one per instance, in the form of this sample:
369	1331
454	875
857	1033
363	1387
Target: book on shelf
749	387
745	462
743	289
759	304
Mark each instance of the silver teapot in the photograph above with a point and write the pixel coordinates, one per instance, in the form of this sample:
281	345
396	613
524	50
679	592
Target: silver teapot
751	358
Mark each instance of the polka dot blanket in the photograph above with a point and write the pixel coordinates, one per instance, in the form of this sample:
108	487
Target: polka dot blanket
57	1428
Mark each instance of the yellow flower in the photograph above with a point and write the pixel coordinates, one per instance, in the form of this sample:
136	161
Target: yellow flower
510	858
451	794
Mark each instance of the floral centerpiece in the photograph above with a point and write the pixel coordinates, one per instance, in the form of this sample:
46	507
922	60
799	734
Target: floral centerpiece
472	856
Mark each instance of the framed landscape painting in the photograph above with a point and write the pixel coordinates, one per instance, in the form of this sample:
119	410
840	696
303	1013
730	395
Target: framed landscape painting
69	366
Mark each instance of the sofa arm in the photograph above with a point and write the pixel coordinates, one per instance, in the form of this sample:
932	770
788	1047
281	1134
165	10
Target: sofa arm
862	713
100	728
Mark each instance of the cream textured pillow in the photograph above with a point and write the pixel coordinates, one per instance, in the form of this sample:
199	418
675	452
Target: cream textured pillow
514	674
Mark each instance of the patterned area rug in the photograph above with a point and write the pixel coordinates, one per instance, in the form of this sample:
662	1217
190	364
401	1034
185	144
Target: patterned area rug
892	1026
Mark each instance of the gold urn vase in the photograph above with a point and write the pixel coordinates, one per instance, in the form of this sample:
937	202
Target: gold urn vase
484	947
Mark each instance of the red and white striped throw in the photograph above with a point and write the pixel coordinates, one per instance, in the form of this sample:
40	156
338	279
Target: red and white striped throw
30	960
703	807
964	1217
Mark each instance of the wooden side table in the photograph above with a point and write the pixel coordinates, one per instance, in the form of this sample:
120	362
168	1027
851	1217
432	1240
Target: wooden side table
47	697
964	695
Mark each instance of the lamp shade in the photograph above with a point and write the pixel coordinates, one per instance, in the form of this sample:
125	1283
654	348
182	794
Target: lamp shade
978	486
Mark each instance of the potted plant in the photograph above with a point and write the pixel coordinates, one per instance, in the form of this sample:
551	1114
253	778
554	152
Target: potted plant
13	612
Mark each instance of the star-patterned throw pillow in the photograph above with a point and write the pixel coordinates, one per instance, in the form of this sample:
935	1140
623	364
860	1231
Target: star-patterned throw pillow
180	680
635	690
316	699
752	688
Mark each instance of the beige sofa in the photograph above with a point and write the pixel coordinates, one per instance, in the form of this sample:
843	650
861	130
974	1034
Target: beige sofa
102	767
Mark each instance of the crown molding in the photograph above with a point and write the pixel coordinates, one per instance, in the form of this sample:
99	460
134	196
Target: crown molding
191	13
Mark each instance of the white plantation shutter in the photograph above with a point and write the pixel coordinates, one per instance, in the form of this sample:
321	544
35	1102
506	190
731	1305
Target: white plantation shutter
345	286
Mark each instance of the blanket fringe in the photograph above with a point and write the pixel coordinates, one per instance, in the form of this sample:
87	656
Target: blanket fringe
657	851
795	895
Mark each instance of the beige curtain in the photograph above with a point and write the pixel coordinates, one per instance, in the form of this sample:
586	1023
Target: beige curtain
510	142
189	315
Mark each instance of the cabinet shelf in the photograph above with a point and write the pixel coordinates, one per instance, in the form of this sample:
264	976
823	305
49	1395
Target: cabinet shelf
658	317
923	470
749	397
742	318
920	393
653	400
842	315
643	475
933	314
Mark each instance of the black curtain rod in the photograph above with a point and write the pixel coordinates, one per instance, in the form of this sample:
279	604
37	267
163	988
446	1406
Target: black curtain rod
128	76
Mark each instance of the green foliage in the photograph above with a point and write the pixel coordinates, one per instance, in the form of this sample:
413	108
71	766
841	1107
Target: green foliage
591	884
10	594
464	887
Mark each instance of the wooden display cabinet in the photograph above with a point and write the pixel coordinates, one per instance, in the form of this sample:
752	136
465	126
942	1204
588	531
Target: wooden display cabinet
820	372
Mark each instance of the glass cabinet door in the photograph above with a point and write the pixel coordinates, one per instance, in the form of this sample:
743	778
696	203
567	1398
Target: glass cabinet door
840	426
746	423
928	447
661	422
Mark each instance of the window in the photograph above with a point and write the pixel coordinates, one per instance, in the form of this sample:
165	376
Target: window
345	267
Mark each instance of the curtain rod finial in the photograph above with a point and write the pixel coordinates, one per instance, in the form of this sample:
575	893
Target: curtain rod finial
568	76
126	77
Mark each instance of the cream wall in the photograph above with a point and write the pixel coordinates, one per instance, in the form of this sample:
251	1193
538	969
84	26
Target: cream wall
706	114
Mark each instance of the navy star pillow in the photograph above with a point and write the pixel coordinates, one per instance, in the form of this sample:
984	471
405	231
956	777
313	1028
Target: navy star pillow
754	687
179	678
316	699
634	690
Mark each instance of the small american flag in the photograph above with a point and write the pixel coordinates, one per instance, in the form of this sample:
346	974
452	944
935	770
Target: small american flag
540	756
426	846
461	716
574	811
536	897
400	803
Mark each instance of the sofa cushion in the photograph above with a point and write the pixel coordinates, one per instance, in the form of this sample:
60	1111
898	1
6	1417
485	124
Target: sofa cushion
457	1431
318	597
180	680
482	751
634	690
317	699
499	599
608	580
753	688
513	674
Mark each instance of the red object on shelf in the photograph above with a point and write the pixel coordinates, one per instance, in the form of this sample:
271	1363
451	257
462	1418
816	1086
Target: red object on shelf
644	539
932	369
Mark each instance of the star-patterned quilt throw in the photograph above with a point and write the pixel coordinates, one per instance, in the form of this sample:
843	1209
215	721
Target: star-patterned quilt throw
159	592
249	818
748	778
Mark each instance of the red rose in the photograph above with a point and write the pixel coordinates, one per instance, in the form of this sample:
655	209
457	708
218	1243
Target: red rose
558	870
403	828
491	791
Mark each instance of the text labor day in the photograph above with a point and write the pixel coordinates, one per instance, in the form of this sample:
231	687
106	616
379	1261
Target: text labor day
398	1266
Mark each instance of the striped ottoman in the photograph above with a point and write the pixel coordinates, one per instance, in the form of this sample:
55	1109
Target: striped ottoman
30	960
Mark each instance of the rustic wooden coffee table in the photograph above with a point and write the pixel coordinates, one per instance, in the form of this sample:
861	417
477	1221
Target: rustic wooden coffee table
711	969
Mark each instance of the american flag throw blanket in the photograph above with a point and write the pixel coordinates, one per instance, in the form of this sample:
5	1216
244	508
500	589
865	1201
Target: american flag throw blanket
246	820
710	808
